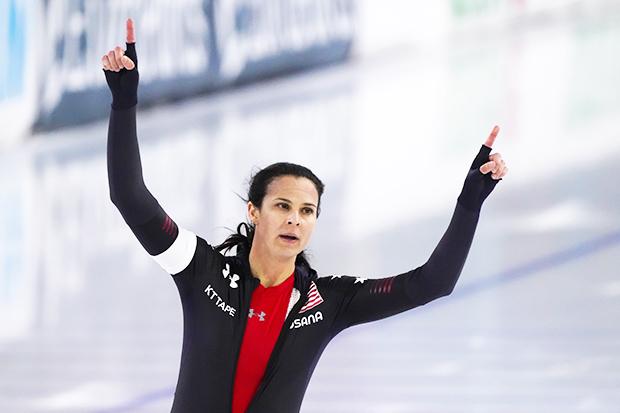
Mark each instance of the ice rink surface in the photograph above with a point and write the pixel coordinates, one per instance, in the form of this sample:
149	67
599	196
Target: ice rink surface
90	324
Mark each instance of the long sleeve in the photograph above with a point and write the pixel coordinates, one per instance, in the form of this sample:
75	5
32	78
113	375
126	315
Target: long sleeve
148	221
369	300
438	276
141	211
127	189
365	300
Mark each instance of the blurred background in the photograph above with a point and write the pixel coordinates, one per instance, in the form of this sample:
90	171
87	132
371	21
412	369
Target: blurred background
387	102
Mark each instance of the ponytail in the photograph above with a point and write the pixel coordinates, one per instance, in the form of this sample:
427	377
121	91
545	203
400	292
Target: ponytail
243	242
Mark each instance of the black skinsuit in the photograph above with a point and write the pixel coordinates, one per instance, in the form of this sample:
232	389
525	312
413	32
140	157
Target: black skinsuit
216	290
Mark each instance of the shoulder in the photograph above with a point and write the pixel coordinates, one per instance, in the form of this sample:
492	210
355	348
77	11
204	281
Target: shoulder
352	284
209	267
190	253
342	280
341	283
206	255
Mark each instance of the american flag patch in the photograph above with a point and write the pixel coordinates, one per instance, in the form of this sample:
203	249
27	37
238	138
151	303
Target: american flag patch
314	298
383	285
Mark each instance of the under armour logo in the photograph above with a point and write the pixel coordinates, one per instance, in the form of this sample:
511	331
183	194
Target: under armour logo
233	278
261	316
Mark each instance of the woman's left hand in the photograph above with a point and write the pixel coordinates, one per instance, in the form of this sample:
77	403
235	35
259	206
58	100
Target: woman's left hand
484	173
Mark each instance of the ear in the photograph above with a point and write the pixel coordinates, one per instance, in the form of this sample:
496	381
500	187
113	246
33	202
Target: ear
253	213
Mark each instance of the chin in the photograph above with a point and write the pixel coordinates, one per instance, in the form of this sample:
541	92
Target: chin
290	253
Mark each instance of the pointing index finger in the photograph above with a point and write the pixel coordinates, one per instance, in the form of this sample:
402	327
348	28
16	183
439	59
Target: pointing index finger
131	38
491	139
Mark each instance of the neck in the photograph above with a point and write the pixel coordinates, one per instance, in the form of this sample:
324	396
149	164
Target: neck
270	272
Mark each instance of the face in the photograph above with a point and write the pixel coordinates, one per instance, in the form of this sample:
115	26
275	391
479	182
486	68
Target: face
286	219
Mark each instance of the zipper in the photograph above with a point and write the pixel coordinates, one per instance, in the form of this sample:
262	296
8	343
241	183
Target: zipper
278	347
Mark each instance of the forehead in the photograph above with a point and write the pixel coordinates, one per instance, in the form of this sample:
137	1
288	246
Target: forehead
292	186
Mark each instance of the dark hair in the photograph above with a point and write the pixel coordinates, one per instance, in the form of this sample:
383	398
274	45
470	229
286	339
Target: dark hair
259	183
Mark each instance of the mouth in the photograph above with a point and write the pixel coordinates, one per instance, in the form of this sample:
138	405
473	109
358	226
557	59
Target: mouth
289	237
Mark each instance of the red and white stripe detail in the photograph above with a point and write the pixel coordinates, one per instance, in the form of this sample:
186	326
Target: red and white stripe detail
314	298
384	285
170	227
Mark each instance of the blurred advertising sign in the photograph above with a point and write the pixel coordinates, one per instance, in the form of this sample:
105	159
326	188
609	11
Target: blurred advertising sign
16	98
12	49
185	47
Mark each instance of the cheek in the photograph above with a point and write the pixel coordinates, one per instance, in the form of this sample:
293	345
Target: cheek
310	224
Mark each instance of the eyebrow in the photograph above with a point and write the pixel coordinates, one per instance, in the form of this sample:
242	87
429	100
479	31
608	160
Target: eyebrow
290	202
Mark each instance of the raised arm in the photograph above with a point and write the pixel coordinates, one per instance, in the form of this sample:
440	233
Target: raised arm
378	298
151	225
439	275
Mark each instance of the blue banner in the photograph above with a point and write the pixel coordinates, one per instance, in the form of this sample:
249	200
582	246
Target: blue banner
184	47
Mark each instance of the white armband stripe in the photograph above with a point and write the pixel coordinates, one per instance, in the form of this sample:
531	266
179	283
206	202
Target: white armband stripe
176	258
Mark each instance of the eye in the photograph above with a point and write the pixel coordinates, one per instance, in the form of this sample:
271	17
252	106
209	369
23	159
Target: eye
308	211
284	206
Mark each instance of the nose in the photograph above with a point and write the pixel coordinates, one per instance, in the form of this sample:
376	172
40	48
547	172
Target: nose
293	218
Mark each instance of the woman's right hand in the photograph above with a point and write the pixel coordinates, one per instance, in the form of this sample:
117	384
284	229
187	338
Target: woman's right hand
116	59
121	72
